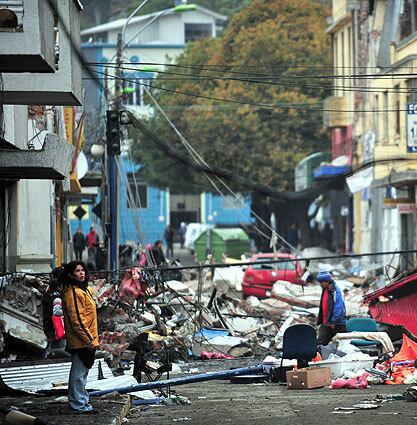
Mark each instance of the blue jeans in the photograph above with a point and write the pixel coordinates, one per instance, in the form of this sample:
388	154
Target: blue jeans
77	395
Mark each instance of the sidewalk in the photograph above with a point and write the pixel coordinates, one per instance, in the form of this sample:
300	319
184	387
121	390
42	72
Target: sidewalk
111	410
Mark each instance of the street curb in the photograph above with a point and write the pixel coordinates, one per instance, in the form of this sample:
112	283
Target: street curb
125	399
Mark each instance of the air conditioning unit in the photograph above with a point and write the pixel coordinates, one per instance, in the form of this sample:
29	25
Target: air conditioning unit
27	36
63	86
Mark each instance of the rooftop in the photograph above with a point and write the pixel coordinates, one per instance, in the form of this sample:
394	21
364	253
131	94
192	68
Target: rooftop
119	23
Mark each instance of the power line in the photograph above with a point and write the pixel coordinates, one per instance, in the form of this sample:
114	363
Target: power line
287	107
296	77
280	83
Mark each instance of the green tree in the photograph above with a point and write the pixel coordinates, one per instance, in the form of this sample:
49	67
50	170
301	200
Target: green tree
263	48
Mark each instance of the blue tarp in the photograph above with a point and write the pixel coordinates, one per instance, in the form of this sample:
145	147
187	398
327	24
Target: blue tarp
211	333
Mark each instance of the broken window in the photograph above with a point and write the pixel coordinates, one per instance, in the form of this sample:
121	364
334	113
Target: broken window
137	194
397	108
408	18
197	31
412	90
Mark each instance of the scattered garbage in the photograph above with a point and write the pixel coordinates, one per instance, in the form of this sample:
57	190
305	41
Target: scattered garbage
411	394
151	327
357	382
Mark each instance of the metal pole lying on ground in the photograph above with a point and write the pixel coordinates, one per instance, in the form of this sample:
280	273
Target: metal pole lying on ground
209	376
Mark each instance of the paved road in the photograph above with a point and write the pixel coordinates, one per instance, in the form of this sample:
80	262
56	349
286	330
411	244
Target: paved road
219	402
186	259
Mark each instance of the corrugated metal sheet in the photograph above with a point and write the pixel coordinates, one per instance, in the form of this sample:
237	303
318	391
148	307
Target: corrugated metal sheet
41	377
400	311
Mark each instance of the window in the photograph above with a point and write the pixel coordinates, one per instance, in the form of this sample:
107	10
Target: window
281	265
343	52
397	108
376	117
408	18
136	195
233	203
197	31
386	116
412	90
132	92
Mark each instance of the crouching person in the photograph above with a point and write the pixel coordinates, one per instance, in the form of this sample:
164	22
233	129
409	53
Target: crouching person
332	313
81	330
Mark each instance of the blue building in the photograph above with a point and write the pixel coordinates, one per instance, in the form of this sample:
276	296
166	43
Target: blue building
145	211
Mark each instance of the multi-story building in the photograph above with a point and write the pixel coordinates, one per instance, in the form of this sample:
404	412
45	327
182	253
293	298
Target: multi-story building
373	51
156	39
38	67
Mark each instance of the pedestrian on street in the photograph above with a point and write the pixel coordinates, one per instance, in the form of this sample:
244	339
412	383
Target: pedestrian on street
81	329
332	313
169	239
158	256
52	315
92	242
181	233
79	243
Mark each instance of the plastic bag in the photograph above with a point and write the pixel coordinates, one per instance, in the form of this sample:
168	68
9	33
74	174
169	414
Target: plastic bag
58	323
132	286
360	382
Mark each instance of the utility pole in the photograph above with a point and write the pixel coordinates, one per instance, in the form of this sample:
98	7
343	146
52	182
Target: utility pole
113	149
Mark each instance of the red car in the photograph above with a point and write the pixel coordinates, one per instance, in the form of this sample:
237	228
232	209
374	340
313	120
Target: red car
260	277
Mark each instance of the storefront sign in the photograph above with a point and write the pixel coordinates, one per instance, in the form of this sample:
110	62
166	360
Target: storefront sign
406	208
360	180
412	127
388	202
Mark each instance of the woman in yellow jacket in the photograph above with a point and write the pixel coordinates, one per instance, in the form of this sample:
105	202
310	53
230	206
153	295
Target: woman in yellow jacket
81	332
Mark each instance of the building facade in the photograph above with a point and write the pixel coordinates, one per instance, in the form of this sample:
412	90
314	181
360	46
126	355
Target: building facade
374	45
38	68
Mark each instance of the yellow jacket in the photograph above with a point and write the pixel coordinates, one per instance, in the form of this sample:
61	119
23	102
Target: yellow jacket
80	317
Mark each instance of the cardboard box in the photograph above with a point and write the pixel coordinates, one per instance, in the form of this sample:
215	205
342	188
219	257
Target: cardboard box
308	378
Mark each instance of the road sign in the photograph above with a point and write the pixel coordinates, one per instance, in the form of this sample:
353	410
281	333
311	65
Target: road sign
412	127
80	212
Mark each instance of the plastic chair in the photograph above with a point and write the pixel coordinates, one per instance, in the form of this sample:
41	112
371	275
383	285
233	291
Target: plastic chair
300	343
362	324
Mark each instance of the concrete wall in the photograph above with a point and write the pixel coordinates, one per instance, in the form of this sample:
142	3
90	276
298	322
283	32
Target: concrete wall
34	225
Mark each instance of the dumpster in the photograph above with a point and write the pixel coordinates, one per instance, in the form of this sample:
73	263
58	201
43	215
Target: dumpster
234	242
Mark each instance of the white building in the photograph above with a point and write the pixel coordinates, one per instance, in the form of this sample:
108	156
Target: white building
156	38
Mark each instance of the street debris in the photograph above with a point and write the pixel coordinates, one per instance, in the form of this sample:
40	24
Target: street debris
150	329
411	394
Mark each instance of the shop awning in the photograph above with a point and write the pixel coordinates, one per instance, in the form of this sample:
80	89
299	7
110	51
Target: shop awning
328	171
52	162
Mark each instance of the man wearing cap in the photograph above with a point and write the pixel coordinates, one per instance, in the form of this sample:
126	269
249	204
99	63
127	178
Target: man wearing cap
332	313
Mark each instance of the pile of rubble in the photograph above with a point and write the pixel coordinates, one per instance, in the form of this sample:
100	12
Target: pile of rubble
173	313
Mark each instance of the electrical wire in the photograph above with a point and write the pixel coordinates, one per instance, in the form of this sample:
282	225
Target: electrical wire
280	83
276	76
199	160
287	107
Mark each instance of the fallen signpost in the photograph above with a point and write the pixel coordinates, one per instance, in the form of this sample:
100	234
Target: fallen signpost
210	376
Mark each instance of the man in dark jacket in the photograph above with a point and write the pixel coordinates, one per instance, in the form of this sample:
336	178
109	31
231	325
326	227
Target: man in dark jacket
169	236
78	241
158	256
332	313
